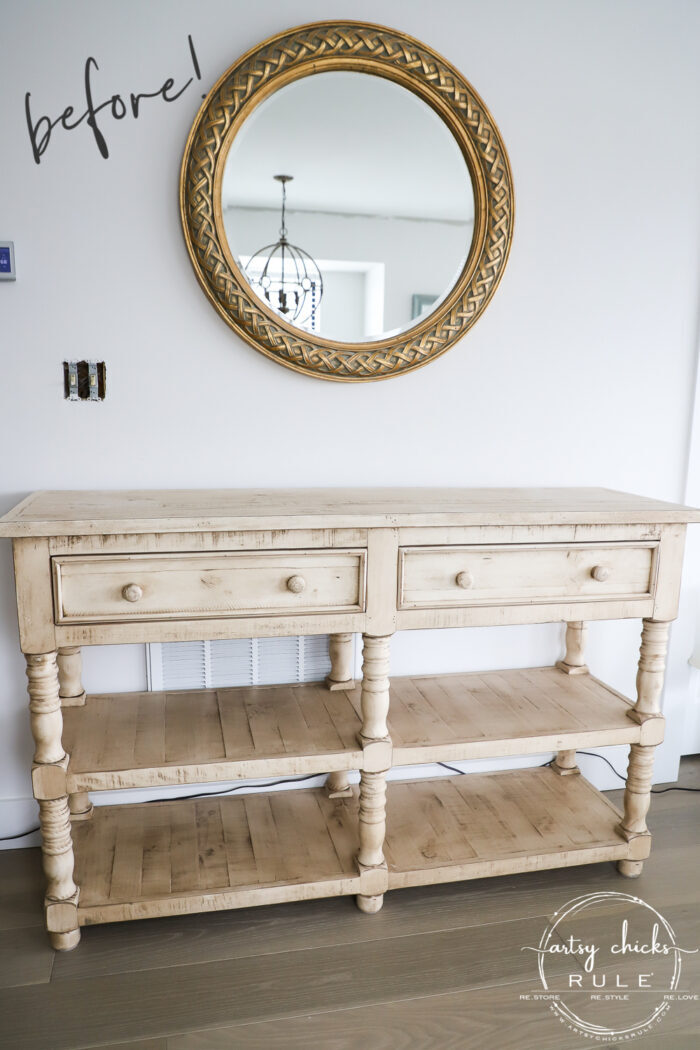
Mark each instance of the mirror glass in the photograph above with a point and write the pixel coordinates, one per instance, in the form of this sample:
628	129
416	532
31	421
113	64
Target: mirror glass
379	209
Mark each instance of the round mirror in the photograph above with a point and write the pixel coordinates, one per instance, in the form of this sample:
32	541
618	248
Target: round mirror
347	201
339	223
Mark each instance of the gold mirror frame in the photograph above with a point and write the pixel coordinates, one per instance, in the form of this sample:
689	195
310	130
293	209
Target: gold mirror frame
360	47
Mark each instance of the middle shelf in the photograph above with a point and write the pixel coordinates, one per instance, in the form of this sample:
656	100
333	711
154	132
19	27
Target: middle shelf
138	740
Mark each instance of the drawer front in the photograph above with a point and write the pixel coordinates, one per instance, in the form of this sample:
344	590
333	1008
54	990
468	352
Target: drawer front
434	577
184	587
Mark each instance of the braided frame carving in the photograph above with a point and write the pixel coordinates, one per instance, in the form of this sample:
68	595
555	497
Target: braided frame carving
317	48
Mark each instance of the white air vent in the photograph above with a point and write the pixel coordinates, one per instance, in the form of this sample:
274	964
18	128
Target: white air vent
243	661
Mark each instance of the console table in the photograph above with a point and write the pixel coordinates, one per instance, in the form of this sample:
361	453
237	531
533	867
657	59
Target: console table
95	568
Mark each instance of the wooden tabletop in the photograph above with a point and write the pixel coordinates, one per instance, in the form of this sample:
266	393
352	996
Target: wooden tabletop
67	513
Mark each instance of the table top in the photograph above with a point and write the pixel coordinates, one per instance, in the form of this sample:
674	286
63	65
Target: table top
69	513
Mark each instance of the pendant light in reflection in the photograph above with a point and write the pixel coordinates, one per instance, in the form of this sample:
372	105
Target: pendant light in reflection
286	276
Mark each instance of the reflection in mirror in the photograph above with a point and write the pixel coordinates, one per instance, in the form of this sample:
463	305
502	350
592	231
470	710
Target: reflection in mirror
286	276
380	201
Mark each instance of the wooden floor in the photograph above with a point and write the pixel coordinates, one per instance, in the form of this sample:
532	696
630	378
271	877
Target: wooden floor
439	968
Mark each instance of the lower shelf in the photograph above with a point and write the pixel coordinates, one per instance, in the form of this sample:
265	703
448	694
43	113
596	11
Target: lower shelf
482	824
170	858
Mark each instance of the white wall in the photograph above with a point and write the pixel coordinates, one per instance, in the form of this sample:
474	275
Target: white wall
581	372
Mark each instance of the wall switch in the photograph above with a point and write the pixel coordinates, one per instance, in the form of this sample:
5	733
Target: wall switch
92	381
72	391
84	380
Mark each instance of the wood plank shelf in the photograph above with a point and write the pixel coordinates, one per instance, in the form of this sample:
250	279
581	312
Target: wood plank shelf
498	713
171	858
134	740
484	824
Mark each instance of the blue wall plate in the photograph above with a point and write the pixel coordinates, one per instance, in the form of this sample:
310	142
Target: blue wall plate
7	261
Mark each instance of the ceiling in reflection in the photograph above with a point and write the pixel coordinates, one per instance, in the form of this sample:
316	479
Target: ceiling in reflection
392	169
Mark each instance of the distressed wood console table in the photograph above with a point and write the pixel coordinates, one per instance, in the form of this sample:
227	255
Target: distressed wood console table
98	567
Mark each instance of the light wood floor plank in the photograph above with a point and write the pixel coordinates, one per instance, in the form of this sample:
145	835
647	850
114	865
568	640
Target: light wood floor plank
24	958
22	886
282	985
488	1019
140	1044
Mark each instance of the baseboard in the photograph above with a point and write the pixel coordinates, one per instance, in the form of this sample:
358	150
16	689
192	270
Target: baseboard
18	815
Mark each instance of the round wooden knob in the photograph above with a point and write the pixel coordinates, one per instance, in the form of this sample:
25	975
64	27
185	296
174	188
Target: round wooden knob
465	580
132	592
296	584
601	573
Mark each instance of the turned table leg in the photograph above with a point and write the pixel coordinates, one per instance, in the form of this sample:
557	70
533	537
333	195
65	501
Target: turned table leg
565	764
573	663
70	675
370	859
374	738
647	711
79	805
49	781
340	652
338	784
340	677
72	694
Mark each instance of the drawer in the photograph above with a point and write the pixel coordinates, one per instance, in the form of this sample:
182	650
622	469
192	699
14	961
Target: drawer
433	577
184	587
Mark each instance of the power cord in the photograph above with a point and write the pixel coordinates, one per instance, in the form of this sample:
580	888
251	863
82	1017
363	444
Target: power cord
594	754
454	769
22	835
237	787
185	798
311	776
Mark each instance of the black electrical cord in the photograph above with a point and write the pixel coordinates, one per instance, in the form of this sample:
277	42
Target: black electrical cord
654	791
184	798
453	768
594	754
237	787
22	835
311	776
